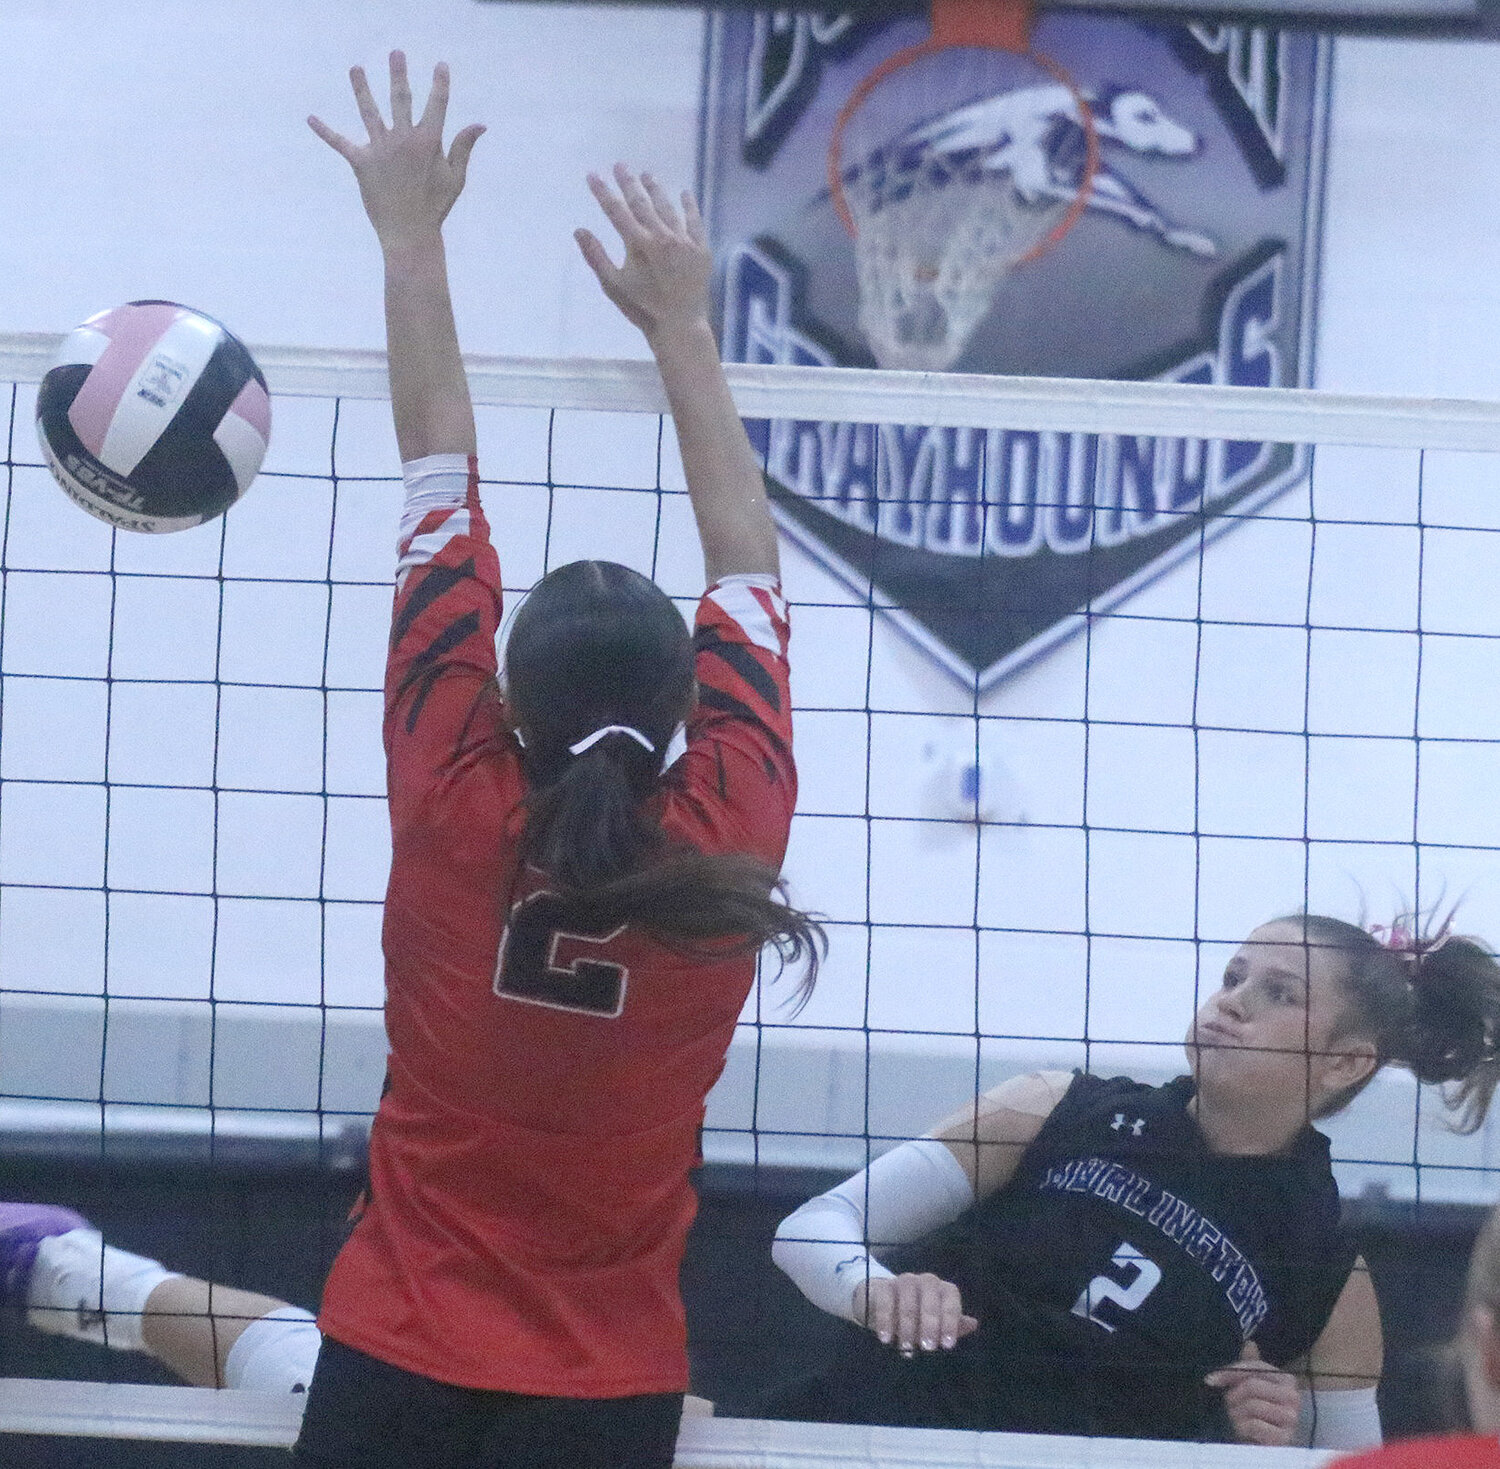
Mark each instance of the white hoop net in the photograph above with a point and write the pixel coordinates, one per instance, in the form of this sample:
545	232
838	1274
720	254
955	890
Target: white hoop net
931	254
944	210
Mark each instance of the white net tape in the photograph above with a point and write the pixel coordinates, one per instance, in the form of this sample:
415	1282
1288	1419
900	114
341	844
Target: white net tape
858	395
188	1415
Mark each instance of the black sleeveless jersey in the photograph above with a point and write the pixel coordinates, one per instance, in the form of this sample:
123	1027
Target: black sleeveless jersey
1122	1263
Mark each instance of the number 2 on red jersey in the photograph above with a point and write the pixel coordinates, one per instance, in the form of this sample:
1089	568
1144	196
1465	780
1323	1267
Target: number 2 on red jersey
548	958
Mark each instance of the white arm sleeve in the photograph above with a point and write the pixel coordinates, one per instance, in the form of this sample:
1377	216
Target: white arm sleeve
904	1194
438	482
767	581
1343	1419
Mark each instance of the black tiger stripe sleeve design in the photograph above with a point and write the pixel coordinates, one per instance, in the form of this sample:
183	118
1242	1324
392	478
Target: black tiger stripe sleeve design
441	695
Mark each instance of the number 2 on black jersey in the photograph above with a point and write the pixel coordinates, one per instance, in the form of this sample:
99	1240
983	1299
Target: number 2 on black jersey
549	958
1127	1295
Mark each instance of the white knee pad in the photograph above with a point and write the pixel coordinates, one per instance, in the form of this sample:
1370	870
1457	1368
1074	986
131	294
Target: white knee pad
275	1354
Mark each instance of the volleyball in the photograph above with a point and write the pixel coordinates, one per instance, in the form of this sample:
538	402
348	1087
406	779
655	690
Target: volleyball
154	417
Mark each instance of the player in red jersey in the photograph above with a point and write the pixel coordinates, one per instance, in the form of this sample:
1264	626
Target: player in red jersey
571	928
1478	1351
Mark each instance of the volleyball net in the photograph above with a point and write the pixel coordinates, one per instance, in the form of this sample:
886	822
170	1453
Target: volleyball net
1090	678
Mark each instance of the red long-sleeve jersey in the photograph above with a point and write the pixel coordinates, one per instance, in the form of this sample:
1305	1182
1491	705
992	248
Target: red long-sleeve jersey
1461	1451
529	1161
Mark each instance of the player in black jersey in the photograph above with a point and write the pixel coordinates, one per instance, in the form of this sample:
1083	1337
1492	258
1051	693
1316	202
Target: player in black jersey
1104	1257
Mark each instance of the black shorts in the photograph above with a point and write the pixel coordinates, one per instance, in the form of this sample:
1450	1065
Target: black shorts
365	1414
1012	1383
865	1382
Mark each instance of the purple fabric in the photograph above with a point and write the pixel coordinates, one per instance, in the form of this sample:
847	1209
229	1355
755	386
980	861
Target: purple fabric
22	1228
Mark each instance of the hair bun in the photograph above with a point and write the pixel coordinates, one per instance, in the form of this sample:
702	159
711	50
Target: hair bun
1454	1028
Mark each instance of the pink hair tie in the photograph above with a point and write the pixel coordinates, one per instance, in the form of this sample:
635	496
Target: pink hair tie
1408	943
1396	937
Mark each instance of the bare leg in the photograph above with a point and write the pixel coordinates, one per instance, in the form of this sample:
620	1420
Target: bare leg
72	1283
190	1325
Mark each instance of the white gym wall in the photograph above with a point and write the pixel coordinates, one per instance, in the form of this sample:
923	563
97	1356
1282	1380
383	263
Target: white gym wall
172	159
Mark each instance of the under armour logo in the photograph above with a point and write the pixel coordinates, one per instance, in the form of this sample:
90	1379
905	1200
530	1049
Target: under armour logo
1137	1127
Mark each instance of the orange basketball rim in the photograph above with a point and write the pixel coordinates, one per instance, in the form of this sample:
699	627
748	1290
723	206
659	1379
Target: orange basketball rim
995	25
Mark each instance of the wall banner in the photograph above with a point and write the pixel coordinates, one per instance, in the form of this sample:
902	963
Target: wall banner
1193	260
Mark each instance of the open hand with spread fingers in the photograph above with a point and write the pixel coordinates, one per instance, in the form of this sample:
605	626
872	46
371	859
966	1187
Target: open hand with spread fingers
663	284
1262	1401
408	183
913	1312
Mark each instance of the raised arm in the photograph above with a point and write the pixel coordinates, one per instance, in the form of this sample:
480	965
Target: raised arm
662	288
408	185
440	695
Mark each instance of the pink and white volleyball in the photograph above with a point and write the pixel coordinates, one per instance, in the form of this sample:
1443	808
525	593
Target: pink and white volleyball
155	417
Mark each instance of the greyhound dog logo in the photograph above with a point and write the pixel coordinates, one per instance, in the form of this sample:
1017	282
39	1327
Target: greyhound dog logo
948	208
1035	136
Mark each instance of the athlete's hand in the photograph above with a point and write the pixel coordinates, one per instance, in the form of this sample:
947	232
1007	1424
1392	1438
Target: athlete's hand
663	284
1262	1401
913	1312
407	182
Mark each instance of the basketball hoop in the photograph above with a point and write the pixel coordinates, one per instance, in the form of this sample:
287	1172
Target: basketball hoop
941	212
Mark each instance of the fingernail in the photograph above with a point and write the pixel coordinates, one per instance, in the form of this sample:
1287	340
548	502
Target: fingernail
949	1342
885	1338
928	1344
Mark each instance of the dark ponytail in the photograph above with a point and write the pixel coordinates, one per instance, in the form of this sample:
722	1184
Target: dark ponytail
595	645
1428	999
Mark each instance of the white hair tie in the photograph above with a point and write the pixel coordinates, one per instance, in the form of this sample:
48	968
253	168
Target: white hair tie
589	741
